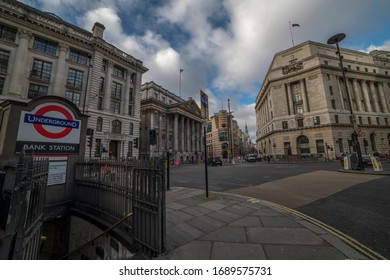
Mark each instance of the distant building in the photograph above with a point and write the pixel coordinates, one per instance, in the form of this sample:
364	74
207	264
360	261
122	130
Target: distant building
302	107
169	124
224	139
40	54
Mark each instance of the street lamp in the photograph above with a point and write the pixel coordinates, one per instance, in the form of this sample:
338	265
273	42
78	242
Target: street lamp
335	39
181	70
230	132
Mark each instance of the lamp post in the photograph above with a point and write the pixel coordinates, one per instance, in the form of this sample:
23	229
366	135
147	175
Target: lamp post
335	39
181	70
230	132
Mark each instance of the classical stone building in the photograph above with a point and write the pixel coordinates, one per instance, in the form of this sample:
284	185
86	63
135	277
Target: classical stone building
40	54
169	124
302	107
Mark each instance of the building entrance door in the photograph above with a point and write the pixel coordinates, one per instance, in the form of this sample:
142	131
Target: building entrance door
114	149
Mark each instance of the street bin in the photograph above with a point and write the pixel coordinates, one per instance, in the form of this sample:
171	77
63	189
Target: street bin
347	162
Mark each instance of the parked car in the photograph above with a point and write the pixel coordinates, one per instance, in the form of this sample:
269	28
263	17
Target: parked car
214	161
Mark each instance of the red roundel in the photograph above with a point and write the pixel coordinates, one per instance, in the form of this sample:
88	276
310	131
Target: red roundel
53	135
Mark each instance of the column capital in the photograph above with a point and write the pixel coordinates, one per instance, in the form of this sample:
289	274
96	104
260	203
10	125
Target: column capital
63	47
24	34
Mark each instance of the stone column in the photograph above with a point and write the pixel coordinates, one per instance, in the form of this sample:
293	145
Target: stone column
304	96
20	70
61	75
383	98
107	87
290	100
160	133
182	148
126	95
366	97
341	90
374	97
357	95
176	133
193	148
188	130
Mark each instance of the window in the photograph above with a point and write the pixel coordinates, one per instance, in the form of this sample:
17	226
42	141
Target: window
349	66
331	90
7	33
45	46
336	119
73	96
99	124
326	62
374	70
116	126
300	123
130	149
100	103
133	78
378	121
327	75
369	120
333	104
4	57
115	107
223	136
130	110
387	121
1	85
285	125
119	72
36	91
131	130
116	90
104	65
131	95
101	87
320	146
358	68
78	57
299	109
41	70
75	79
386	73
316	120
360	120
366	69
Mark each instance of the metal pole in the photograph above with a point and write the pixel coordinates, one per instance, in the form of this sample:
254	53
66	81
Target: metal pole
168	170
355	141
230	132
205	161
181	70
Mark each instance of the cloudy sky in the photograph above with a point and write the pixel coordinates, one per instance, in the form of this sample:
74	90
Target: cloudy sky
223	46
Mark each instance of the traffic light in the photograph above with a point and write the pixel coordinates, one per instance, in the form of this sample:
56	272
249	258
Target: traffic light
90	140
135	143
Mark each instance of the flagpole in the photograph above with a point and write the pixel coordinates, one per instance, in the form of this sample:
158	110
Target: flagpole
292	39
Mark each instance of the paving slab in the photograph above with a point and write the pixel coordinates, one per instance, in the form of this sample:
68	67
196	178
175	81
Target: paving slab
280	222
248	221
237	251
227	234
301	252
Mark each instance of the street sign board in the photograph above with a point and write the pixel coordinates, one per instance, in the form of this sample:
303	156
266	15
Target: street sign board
50	128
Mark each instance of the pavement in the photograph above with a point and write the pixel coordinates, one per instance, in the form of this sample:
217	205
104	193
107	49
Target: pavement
236	227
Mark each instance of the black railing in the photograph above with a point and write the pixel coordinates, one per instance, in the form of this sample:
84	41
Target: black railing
111	190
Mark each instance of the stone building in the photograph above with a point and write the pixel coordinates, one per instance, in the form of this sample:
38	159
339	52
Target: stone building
40	54
222	135
302	108
169	124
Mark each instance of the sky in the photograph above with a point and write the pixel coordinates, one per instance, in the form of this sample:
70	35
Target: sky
224	47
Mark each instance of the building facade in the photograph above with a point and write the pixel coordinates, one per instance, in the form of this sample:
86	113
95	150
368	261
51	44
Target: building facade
169	124
224	137
40	54
303	109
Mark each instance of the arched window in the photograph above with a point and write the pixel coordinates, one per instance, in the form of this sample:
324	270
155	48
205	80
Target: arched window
116	126
99	124
131	130
303	144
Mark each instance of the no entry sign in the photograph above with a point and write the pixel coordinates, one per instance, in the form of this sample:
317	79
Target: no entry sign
49	128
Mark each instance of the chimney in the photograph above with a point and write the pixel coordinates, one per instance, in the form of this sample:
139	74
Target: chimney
98	30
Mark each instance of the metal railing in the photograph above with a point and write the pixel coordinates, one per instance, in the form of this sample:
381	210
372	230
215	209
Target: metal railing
111	189
24	192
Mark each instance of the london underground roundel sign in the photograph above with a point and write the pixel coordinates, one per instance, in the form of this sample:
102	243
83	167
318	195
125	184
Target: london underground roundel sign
49	127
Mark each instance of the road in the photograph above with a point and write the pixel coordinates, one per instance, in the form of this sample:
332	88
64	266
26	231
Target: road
356	204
